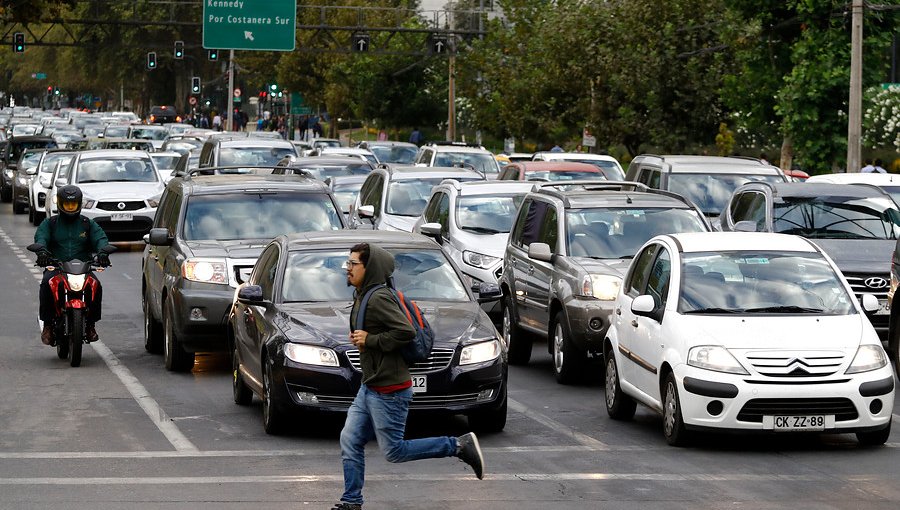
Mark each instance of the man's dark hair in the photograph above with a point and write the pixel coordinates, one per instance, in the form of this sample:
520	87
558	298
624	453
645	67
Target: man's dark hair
363	250
878	162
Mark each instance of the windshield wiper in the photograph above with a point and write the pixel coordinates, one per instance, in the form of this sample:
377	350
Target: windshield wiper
715	310
481	230
784	309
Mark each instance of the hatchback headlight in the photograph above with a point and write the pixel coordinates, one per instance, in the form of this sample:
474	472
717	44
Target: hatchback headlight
310	355
868	358
601	286
205	271
480	260
154	202
480	352
716	358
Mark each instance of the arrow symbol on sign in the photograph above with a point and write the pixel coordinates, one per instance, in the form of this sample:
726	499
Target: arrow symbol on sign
439	46
362	44
248	35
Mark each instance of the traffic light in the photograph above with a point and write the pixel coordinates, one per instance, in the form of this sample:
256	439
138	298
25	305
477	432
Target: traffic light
151	60
179	49
19	42
195	85
55	91
49	89
213	55
263	96
273	87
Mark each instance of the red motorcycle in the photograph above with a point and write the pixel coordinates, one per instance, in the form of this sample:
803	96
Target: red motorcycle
73	290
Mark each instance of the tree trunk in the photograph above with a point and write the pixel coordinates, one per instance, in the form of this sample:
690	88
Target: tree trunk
787	153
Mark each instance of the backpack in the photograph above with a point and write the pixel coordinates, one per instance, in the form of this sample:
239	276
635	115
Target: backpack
420	347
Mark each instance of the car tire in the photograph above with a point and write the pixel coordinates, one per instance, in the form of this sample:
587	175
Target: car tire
619	406
490	420
5	195
274	416
17	207
876	438
37	218
153	334
673	423
568	362
175	357
241	393
518	342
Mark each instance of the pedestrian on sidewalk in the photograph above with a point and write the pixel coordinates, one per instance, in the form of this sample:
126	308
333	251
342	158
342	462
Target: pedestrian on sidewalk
381	406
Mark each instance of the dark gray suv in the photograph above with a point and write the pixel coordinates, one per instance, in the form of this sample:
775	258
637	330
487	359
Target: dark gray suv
568	250
207	235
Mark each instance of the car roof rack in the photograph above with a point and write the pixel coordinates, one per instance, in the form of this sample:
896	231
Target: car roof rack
593	185
224	170
448	143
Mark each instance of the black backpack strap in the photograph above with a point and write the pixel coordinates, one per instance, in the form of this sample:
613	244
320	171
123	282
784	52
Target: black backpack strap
363	303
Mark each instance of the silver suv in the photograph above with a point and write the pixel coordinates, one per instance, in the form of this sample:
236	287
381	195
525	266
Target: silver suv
459	154
568	251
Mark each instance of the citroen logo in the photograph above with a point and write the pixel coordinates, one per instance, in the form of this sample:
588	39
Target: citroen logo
121	206
876	282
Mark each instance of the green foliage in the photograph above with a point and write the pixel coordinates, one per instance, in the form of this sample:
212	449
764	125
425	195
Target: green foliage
881	119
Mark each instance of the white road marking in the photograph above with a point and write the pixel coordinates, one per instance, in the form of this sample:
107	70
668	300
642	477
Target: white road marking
550	423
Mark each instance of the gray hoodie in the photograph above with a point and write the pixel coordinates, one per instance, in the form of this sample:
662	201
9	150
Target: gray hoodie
387	326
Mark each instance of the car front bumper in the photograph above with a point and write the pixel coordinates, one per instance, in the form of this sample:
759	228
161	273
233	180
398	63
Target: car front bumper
140	223
201	314
589	319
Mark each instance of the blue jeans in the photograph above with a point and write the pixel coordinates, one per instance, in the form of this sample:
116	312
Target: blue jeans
383	417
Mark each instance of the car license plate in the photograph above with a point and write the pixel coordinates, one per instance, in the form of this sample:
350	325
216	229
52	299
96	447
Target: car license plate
883	308
798	423
121	216
420	383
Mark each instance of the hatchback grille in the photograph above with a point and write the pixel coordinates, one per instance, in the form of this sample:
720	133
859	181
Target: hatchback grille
755	409
133	205
439	359
869	283
799	364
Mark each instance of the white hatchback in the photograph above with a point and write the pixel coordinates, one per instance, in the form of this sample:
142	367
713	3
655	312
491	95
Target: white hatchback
748	332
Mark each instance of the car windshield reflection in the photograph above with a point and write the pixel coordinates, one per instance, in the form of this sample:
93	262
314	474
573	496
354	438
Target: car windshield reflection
615	233
116	170
710	192
836	217
491	214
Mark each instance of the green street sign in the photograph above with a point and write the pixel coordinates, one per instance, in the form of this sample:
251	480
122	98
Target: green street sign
300	110
890	86
262	25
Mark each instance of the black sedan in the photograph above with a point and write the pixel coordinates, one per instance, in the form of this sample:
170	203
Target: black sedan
290	325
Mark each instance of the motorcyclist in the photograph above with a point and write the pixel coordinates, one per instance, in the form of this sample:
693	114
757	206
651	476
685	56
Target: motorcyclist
66	237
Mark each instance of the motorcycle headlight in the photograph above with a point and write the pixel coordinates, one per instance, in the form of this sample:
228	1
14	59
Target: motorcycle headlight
480	352
205	271
76	281
310	355
868	358
601	286
479	259
715	358
154	202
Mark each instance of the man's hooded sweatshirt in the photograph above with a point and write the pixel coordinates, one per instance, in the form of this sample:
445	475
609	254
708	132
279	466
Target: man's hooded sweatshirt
387	326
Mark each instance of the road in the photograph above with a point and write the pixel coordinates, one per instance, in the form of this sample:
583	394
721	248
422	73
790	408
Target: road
122	432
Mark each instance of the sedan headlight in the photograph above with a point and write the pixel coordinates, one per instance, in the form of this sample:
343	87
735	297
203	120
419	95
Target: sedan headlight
601	286
154	202
480	352
716	358
868	358
310	355
479	260
205	271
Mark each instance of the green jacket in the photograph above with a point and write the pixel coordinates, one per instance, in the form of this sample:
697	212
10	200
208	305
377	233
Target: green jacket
76	238
387	326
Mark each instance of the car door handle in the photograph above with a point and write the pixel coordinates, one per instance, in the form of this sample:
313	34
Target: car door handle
618	311
530	269
634	322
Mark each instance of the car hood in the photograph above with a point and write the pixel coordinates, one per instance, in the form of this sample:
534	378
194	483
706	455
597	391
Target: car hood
241	249
616	267
748	332
486	244
121	190
859	255
397	222
328	324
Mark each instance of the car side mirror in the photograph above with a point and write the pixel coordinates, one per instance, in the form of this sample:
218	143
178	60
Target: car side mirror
487	292
31	171
159	237
645	306
745	226
366	211
60	183
540	251
45	182
870	303
251	295
432	230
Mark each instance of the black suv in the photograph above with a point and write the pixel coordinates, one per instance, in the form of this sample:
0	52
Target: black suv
9	159
569	248
857	225
207	234
163	115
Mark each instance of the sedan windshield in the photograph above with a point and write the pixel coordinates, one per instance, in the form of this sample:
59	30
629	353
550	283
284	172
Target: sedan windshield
610	170
710	192
408	198
422	275
116	170
487	214
323	172
836	217
253	156
264	215
562	176
761	282
617	233
481	162
146	133
402	154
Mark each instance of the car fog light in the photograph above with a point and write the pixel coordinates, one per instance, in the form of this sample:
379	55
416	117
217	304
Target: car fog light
485	395
198	314
876	406
595	323
715	407
307	398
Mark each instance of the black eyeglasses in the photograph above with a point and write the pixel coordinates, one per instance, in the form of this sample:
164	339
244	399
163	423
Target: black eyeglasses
350	263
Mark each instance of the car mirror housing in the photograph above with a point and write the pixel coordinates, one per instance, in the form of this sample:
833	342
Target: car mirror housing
540	251
432	230
869	303
159	237
745	226
366	211
488	292
644	306
250	295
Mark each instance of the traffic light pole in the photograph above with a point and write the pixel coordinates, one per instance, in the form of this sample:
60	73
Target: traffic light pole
229	100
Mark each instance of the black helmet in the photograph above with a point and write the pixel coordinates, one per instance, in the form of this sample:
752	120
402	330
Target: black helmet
68	200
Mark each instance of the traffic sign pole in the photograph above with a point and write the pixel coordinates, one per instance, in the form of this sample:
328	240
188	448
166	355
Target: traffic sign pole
230	90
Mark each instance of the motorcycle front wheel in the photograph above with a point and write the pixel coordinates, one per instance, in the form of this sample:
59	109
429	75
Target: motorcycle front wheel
76	336
62	343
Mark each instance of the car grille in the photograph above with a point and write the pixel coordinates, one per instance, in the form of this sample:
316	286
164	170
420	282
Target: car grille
869	283
418	401
439	359
133	205
796	364
754	410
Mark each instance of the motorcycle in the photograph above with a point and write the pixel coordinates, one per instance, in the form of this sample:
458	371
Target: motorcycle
73	290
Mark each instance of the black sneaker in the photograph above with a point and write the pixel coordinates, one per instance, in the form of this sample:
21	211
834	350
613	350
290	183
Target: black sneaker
343	505
469	452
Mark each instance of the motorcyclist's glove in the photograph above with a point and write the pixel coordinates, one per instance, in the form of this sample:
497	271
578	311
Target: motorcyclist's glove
103	259
44	258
